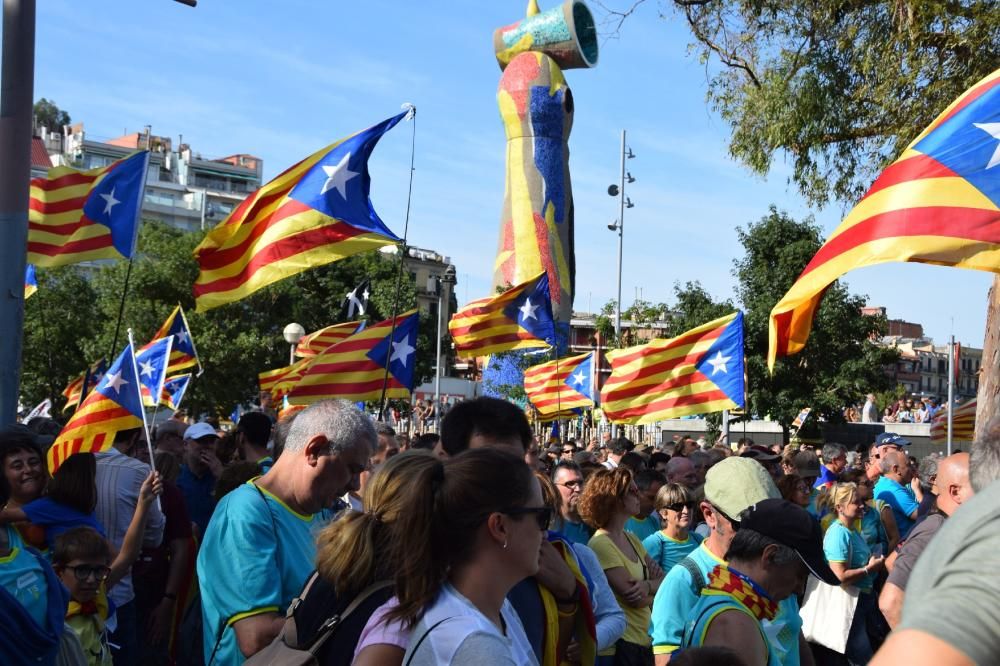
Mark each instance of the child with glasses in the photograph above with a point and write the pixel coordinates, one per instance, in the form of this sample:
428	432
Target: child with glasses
671	544
83	560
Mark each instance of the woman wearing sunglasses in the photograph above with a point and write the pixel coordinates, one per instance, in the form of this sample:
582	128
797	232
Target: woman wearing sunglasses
475	531
672	543
609	499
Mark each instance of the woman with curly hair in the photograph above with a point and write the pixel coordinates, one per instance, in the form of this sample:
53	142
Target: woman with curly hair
609	499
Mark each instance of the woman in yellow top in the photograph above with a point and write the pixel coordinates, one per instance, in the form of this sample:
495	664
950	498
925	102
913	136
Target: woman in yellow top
609	499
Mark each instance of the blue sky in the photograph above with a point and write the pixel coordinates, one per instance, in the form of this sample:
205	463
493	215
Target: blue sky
282	79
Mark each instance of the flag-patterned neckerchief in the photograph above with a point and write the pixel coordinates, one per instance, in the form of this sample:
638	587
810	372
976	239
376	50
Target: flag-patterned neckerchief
740	587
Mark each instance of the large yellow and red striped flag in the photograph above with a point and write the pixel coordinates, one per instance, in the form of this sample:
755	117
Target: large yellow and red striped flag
562	384
316	212
76	216
963	424
939	203
115	404
697	372
318	341
354	368
519	318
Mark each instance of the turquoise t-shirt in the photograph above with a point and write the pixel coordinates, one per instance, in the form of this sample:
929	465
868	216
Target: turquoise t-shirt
675	599
667	551
256	555
848	547
22	575
643	528
900	499
575	532
709	607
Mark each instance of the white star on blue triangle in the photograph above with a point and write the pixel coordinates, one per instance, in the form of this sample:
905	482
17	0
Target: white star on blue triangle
114	201
532	310
402	356
580	379
121	384
723	362
338	185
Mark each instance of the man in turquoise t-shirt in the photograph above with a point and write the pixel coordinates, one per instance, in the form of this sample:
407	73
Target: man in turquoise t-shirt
247	573
890	489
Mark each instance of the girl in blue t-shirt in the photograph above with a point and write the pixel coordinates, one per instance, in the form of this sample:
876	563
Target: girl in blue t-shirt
672	544
69	500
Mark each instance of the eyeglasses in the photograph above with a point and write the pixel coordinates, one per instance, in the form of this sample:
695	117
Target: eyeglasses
543	514
572	485
85	571
734	523
565	451
680	506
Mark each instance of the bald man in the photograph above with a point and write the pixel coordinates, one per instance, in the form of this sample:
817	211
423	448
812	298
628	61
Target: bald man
681	470
952	488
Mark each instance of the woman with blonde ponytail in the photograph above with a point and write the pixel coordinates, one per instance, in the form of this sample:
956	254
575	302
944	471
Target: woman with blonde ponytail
358	550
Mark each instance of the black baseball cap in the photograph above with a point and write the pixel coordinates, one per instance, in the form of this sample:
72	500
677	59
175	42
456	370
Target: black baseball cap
792	526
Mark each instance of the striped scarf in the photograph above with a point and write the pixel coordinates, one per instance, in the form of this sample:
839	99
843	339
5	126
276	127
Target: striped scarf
740	587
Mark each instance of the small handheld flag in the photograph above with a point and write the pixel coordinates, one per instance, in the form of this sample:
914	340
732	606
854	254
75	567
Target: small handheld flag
519	318
115	404
79	216
697	372
77	390
30	281
173	391
316	212
182	353
153	360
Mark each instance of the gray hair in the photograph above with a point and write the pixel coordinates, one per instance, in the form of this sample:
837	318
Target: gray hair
749	544
886	462
928	468
833	450
700	457
984	458
340	421
566	464
383	428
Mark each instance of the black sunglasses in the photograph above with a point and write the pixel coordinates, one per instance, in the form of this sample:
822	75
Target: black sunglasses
543	514
85	571
679	506
734	523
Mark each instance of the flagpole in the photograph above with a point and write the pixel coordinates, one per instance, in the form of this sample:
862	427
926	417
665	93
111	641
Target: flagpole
402	257
121	310
951	389
197	359
145	424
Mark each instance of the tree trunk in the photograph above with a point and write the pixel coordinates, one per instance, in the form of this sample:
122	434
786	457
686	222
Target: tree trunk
989	379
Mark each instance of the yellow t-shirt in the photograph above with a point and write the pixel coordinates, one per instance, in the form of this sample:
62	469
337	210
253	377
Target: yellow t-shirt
609	555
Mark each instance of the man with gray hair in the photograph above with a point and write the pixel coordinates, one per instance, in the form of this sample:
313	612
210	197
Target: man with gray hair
834	462
260	545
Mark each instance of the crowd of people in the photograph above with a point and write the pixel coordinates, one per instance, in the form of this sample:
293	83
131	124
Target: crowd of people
901	410
326	535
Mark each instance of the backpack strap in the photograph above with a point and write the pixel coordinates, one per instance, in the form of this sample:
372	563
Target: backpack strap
328	628
697	578
290	631
416	645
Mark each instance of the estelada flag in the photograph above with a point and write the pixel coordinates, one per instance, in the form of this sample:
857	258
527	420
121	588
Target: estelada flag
30	281
77	390
182	352
115	404
562	384
173	391
938	203
963	424
76	216
355	369
316	212
153	360
697	372
519	318
317	341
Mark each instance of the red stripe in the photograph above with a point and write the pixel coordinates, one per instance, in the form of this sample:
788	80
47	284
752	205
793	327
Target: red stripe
67	229
97	412
74	247
353	388
67	180
645	351
629	390
218	258
972	224
566	399
660	405
650	368
491	341
278	251
55	207
782	326
913	168
493	321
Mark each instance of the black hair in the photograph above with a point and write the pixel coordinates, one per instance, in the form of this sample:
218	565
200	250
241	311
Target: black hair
487	417
256	427
428	441
80	543
620	446
15	439
646	477
658	457
75	484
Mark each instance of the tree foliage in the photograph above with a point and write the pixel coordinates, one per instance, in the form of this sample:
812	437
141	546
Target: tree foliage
841	361
837	88
50	116
71	320
694	307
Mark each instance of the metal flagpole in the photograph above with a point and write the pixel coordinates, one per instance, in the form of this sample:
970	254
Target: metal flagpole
951	389
402	257
121	310
142	408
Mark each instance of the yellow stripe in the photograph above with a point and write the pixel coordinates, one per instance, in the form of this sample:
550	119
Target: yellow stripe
250	613
496	348
653	395
301	516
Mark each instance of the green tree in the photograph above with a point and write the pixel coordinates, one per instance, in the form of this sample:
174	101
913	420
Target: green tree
694	307
50	116
54	336
836	88
841	361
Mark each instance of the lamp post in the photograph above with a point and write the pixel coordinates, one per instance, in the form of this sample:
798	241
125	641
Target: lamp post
619	226
292	334
440	280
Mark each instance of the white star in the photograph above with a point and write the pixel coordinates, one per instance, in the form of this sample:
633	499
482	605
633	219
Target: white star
366	294
719	363
182	337
337	177
401	351
993	129
579	378
115	382
109	202
353	304
147	368
528	310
